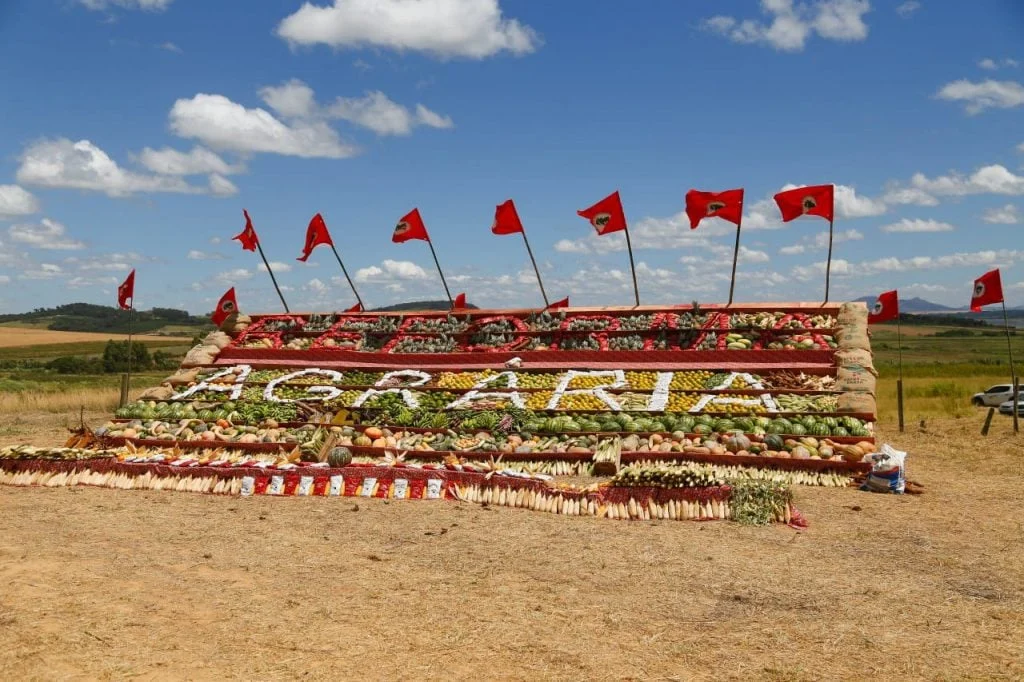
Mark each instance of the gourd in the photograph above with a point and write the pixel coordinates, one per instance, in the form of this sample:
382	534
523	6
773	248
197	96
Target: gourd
736	441
339	457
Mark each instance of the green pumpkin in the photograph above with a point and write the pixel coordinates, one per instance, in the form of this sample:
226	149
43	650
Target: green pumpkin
774	442
339	457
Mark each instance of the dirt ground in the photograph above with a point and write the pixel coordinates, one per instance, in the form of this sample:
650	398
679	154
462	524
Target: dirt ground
103	584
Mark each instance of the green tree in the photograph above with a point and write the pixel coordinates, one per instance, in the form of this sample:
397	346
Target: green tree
115	357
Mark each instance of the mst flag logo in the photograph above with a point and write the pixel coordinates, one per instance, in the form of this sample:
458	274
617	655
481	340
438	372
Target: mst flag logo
714	207
808	203
600	221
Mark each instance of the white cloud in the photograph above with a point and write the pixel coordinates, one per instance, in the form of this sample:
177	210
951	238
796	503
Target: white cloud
993	65
79	282
220	123
905	9
791	23
15	201
917	225
753	256
821	239
792	250
170	47
215	240
293	99
198	161
988	64
204	255
983	95
1002	257
148	5
277	266
43	271
390	270
994	179
316	286
82	165
442	28
378	113
909	195
4	279
231	276
112	262
221	186
1004	215
48	234
1020	147
848	204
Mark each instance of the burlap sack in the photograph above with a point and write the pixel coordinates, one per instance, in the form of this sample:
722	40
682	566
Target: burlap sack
182	376
855	379
852	313
157	393
200	355
853	337
218	339
857	402
856	358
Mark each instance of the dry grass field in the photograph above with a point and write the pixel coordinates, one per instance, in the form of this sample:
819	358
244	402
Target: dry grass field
102	584
25	336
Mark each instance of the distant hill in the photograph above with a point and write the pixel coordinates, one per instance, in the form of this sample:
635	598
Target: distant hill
420	305
88	317
912	305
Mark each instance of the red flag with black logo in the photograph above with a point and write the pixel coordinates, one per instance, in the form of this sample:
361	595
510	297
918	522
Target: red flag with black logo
225	307
247	236
988	289
607	215
564	303
357	308
727	205
506	219
887	307
126	292
460	302
816	200
410	227
316	234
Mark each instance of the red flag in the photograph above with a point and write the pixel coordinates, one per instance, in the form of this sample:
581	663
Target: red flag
126	292
460	302
887	307
816	200
554	305
357	308
987	289
727	205
410	227
225	307
506	219
606	215
247	236
316	234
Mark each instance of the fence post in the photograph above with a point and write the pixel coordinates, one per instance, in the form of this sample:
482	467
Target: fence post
988	421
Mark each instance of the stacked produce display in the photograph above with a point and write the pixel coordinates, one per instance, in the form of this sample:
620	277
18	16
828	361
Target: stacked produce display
686	410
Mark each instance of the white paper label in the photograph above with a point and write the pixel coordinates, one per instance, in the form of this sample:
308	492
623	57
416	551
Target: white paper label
276	486
248	485
367	489
305	486
337	483
401	489
434	488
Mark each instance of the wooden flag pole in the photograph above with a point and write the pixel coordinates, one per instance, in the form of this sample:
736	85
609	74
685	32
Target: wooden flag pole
1013	374
735	257
353	286
535	269
828	265
126	386
899	382
439	271
632	267
271	273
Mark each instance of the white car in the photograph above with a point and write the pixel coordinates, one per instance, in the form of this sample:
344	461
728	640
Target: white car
1007	407
995	396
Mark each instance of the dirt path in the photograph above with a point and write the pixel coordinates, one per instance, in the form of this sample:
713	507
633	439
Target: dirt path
102	584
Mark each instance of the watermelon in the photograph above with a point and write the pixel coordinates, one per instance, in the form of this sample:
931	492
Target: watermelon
706	419
798	429
840	431
744	424
658	426
819	429
702	429
685	423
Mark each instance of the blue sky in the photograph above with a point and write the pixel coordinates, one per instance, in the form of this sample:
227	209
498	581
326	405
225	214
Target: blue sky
135	131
